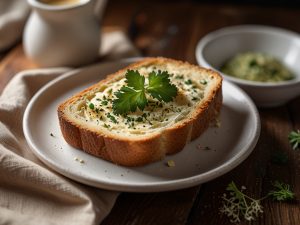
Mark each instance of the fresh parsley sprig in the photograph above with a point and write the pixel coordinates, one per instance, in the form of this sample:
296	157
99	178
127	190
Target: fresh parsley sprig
238	206
282	192
133	95
294	138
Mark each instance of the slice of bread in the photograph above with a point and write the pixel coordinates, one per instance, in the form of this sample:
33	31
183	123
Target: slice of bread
87	120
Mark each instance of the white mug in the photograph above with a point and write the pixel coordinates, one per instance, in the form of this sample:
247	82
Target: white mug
63	34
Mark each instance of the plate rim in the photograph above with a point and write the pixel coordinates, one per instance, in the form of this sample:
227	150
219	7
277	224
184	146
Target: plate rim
153	186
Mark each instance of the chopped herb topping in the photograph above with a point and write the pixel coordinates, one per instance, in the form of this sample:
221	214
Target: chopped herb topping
91	106
139	119
135	90
188	82
112	118
180	77
204	82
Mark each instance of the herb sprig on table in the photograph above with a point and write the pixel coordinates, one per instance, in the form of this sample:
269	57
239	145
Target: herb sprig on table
134	94
282	192
294	139
238	206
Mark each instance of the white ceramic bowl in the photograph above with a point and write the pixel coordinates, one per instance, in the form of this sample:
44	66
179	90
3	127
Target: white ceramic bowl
217	47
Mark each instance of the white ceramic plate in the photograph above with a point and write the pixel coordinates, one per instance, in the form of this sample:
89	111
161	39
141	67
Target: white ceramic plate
228	145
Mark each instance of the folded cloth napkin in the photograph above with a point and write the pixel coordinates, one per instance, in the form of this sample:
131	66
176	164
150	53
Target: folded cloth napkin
30	192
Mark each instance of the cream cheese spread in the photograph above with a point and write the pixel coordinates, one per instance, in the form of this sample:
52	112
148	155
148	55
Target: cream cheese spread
98	108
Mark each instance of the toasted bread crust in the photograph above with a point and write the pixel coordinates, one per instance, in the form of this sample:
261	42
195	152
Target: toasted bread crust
136	152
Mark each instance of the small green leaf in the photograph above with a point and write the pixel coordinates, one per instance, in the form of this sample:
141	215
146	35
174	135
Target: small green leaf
160	86
91	106
135	80
188	82
139	119
204	82
104	102
128	100
180	77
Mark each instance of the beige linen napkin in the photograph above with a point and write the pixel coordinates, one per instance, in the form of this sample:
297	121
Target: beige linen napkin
30	192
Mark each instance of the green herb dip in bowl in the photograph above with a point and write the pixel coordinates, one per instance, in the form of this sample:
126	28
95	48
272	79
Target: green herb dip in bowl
257	66
270	68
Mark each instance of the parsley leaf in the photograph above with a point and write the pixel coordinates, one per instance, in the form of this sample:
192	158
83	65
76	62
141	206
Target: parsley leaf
135	80
160	86
133	96
128	100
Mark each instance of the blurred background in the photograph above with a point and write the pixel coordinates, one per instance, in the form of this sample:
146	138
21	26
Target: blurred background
157	27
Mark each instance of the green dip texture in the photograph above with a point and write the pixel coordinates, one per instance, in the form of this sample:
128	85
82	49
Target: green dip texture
257	67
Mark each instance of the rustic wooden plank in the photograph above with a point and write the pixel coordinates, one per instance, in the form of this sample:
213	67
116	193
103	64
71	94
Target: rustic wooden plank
156	208
277	127
294	110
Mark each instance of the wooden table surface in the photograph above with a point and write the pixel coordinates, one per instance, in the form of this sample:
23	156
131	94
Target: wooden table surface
172	29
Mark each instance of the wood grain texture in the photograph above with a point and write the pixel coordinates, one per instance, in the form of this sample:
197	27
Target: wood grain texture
172	29
158	208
